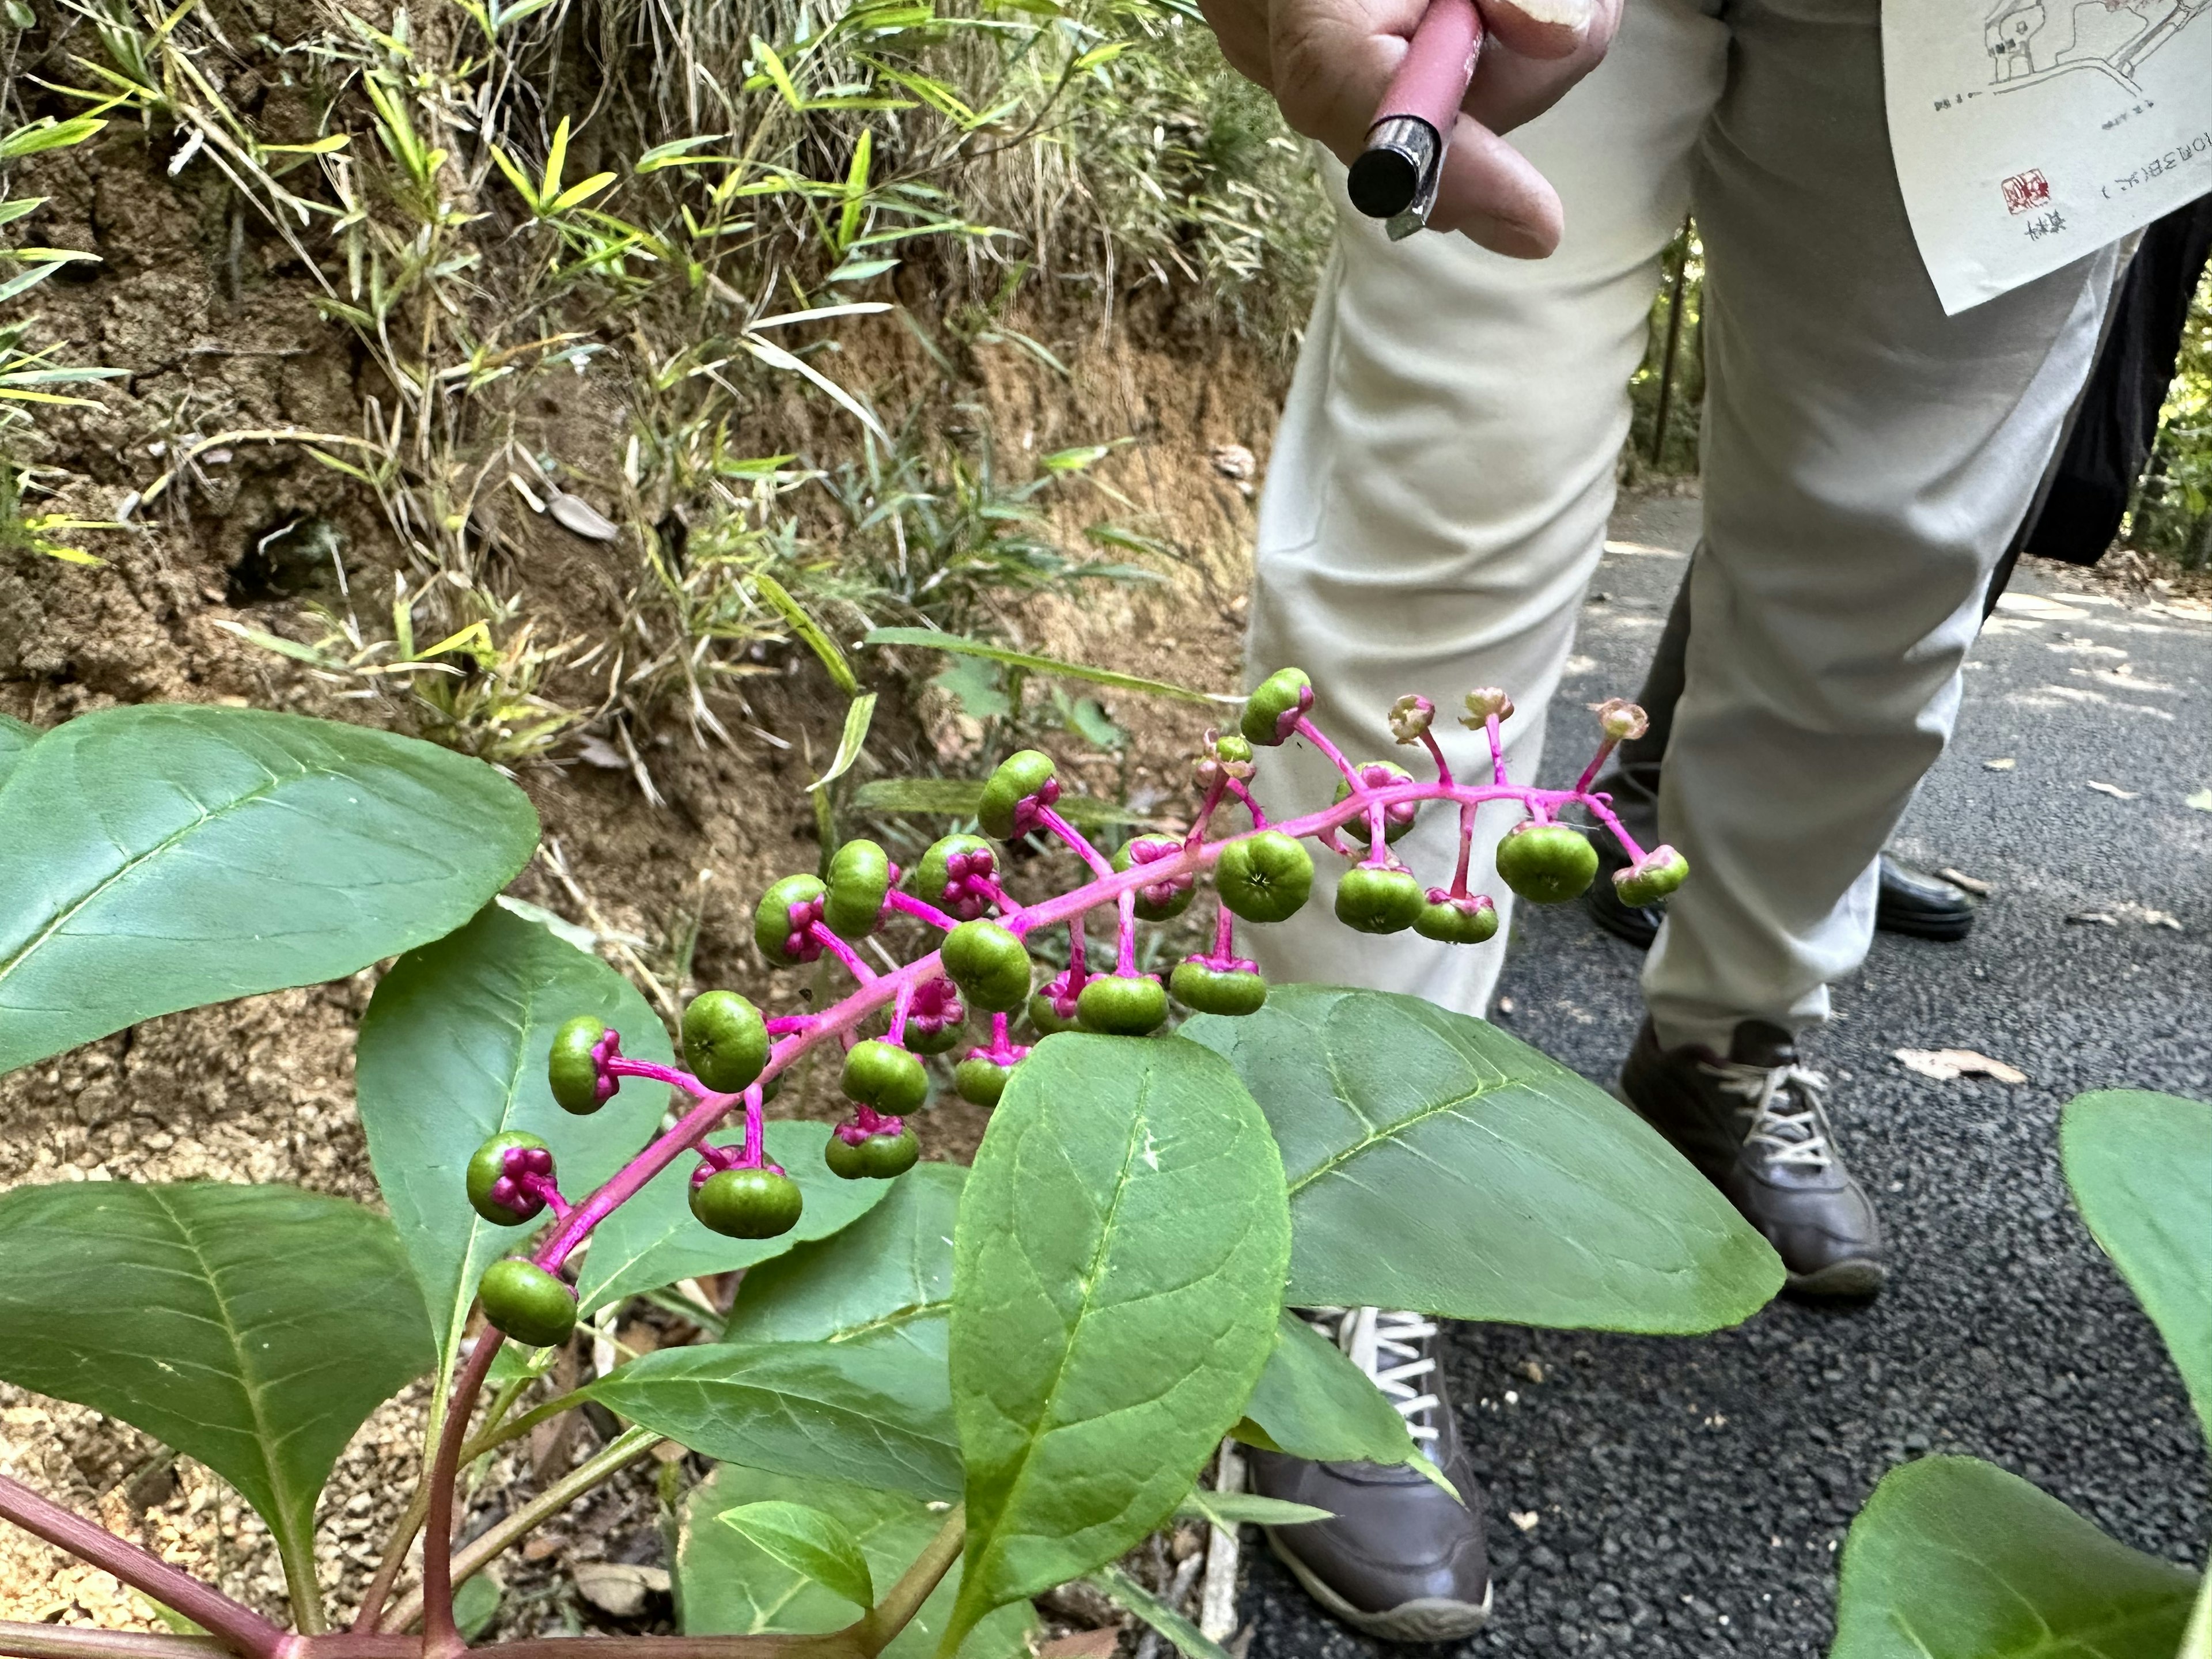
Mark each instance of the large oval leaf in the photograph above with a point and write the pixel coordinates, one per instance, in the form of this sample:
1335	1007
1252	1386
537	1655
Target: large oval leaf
15	736
655	1240
877	1415
162	857
1954	1558
2140	1167
1437	1163
251	1327
1117	1275
726	1585
452	1051
1313	1402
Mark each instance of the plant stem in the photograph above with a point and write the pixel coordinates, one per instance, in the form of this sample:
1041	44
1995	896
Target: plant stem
24	1641
297	1552
897	1610
624	1449
239	1627
441	1637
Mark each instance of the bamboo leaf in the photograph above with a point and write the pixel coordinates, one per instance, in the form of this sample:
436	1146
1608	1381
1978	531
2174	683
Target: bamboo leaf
931	639
808	629
857	719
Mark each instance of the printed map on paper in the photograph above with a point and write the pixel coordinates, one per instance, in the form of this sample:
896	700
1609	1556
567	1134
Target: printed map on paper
2029	133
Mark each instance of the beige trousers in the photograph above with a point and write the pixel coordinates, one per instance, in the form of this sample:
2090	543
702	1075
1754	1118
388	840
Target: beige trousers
1438	496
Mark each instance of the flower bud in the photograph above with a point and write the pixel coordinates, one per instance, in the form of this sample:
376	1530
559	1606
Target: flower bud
1411	718
1482	703
1621	720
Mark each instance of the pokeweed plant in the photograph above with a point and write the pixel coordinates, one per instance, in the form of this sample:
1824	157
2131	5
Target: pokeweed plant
938	1392
1953	1558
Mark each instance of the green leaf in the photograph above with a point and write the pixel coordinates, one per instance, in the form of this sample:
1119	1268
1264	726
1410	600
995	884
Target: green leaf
2140	1167
1234	1509
1118	1271
726	1585
930	639
824	648
1128	1595
1954	1559
814	1544
858	1411
251	1327
978	687
957	798
655	1239
452	1051
1313	1402
885	1279
1511	1188
15	736
162	857
475	1604
857	719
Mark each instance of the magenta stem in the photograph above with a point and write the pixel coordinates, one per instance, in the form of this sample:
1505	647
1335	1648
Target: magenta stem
1490	729
1198	824
789	1025
1378	847
1079	955
900	1010
244	1630
755	1130
441	1639
908	904
1436	754
1068	833
1466	852
1606	747
1603	814
1126	957
820	934
1259	818
544	1188
624	1066
1224	937
1312	732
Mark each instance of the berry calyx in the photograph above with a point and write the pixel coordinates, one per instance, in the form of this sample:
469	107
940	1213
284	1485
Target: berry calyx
779	922
1022	784
988	964
747	1203
521	1299
935	1016
725	1041
1621	720
1273	711
1484	702
1651	877
1121	1005
980	1079
942	877
1208	989
579	1083
495	1190
883	1076
1264	877
1376	900
856	1155
1053	1008
1229	757
1397	817
1159	900
1469	920
860	873
1546	863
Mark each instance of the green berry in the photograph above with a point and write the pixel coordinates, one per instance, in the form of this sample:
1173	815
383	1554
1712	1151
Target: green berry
1232	749
747	1203
780	921
1397	817
989	965
1456	921
1264	876
844	1158
860	876
879	1157
1045	1015
1214	991
526	1303
979	1081
1546	863
1274	707
493	1192
1020	775
1376	900
1652	878
725	1041
937	879
923	1040
573	1068
1161	901
1121	1005
880	1074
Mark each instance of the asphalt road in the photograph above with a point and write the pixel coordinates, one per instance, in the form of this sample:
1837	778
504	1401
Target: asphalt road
1690	1496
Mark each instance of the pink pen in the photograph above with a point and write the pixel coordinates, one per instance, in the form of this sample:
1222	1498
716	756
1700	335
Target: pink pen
1396	177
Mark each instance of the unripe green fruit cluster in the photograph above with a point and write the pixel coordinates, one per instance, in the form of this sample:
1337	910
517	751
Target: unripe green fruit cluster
1397	817
1022	775
980	1080
1161	901
861	874
1121	1005
525	1302
939	879
781	919
747	1203
493	1192
1546	863
1264	877
885	1076
988	964
877	1158
1272	710
1376	900
725	1041
1457	920
1651	877
573	1067
1205	989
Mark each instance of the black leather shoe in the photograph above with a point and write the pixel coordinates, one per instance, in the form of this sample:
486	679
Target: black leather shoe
1399	1558
1755	1126
1907	901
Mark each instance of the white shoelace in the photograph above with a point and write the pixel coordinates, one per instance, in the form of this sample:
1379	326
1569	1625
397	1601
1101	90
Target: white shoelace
1783	1105
1390	1345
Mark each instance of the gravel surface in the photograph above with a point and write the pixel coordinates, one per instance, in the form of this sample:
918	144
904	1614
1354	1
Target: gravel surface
1689	1495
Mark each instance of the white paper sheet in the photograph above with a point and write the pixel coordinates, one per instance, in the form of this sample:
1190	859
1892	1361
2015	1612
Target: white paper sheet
2028	133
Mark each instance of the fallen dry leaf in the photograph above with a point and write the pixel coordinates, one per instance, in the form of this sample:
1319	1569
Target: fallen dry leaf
579	518
617	1589
1082	1645
2115	791
1973	885
2004	764
1949	1064
1524	1519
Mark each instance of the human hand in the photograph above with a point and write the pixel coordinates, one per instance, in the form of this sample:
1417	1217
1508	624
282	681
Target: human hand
1328	62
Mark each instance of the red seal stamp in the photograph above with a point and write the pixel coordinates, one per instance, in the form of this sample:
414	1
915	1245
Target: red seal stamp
2025	190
